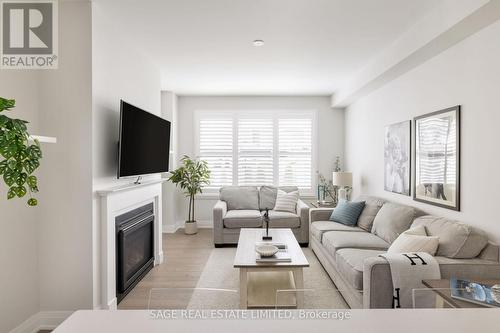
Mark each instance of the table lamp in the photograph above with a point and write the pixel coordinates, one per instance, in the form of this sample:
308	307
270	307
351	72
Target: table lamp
343	180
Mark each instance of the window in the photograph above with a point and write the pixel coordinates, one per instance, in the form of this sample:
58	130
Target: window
216	147
257	148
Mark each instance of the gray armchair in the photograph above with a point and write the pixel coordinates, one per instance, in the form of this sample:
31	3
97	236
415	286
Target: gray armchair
243	207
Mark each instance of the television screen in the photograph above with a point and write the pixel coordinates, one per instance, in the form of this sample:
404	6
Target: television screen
144	144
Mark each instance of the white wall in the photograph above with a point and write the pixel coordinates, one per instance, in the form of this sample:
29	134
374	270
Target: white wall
330	132
119	71
18	239
65	228
467	74
169	111
46	250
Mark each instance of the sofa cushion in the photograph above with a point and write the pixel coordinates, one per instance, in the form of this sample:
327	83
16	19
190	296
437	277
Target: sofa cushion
347	212
336	240
372	206
392	219
240	197
267	195
318	228
242	218
456	239
279	219
350	264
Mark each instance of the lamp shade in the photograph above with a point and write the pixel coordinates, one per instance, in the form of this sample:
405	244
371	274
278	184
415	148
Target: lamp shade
342	179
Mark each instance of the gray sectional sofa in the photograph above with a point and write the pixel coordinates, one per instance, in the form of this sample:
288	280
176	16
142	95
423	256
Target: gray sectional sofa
243	207
350	254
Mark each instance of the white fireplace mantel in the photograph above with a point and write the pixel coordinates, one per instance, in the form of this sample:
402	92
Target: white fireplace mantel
114	202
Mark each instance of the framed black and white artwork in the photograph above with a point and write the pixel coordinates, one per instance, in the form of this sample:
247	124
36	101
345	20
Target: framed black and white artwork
437	158
397	152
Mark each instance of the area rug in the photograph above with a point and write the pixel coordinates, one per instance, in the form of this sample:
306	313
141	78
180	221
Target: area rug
218	285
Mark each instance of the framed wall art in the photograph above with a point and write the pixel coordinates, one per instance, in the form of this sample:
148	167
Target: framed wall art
437	158
397	152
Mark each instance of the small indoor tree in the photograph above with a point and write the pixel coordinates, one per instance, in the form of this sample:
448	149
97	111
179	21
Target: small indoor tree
191	177
19	158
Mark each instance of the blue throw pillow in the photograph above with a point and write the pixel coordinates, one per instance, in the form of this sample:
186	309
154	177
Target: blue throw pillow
347	212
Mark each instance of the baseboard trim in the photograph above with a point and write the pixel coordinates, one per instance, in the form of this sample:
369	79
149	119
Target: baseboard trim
170	229
43	320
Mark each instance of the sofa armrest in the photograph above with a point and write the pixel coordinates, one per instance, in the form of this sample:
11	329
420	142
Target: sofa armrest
219	211
377	284
303	211
377	279
320	214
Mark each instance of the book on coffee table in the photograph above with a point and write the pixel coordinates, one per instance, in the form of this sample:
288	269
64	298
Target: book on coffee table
280	256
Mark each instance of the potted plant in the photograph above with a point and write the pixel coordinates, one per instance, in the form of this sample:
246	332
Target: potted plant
191	177
21	156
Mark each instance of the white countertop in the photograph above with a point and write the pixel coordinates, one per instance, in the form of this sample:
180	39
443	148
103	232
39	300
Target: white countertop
362	321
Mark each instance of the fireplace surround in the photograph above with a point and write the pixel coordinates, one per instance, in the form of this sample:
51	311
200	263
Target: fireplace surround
114	202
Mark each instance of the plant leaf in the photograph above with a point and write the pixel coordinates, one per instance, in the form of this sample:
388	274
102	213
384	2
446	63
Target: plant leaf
8	150
6	104
3	166
11	193
19	125
21	178
34	152
10	176
32	181
21	191
31	165
12	163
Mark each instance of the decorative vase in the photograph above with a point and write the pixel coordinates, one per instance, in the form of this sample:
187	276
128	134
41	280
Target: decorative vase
190	227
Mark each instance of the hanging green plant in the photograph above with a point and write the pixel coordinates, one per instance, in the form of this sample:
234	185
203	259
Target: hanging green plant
20	158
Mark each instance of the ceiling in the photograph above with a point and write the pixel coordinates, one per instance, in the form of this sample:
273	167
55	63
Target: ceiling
312	47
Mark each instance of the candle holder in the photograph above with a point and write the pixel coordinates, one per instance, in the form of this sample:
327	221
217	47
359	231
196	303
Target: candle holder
266	220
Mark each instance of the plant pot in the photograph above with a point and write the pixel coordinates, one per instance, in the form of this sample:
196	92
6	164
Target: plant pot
190	227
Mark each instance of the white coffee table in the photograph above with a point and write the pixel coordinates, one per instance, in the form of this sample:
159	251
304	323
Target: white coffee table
246	255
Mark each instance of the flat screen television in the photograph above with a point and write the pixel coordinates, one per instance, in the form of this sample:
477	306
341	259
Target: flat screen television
144	144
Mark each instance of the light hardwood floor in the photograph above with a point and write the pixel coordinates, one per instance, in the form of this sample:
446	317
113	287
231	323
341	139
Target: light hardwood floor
185	257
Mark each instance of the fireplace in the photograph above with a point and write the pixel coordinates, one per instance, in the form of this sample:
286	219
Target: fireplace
134	248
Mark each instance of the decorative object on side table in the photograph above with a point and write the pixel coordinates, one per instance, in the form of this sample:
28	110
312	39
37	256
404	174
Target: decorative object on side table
191	177
343	180
21	158
266	220
397	151
437	158
327	192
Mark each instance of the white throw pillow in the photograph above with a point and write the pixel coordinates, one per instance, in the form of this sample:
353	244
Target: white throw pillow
415	240
286	202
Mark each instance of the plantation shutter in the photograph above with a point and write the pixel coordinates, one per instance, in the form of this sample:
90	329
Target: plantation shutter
255	152
295	152
216	147
257	148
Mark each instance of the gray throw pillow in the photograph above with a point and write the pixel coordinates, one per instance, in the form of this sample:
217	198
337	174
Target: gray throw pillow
372	206
456	239
392	220
240	197
267	197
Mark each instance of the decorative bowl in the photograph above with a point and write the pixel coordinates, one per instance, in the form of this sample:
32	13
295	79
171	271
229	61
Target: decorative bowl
266	250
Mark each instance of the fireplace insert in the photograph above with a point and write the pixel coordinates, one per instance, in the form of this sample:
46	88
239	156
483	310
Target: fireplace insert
134	248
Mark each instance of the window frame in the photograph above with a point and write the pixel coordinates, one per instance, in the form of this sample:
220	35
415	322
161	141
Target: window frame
275	114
